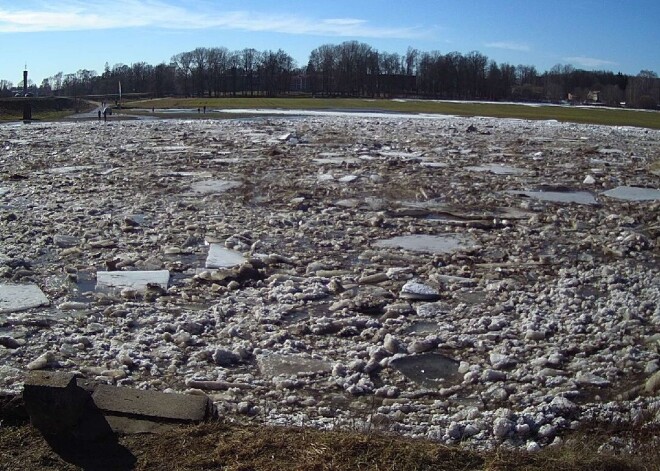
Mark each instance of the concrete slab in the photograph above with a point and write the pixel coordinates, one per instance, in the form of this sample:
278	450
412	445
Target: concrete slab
15	298
49	379
133	402
137	280
221	257
131	426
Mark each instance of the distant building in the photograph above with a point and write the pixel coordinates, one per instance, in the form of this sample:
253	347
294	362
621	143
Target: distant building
299	83
593	96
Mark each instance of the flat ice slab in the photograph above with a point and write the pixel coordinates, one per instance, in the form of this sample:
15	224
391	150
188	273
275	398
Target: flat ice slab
578	197
137	280
443	243
430	369
210	187
498	169
70	169
288	365
220	257
633	193
15	298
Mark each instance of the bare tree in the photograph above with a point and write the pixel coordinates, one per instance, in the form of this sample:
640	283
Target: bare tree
644	90
164	78
5	87
182	62
324	60
412	58
234	61
250	59
56	81
218	63
44	88
199	64
352	67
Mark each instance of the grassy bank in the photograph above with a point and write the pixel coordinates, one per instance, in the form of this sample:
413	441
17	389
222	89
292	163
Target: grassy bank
606	116
55	108
43	109
242	447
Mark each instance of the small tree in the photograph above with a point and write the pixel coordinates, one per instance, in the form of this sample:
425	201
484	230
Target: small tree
5	87
45	89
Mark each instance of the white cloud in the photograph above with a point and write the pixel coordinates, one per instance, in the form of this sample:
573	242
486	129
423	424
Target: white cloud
73	15
588	61
511	46
344	21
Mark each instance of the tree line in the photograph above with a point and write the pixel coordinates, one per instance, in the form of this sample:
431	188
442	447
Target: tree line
354	69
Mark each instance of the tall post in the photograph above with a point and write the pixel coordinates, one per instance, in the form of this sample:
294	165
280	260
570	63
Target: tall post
27	107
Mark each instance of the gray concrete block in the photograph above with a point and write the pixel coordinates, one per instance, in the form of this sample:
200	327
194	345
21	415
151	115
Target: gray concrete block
151	404
54	402
49	379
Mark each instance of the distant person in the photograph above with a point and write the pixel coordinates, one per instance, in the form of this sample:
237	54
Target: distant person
99	115
105	114
204	109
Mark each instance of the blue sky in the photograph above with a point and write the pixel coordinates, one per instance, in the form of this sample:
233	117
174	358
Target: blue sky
68	35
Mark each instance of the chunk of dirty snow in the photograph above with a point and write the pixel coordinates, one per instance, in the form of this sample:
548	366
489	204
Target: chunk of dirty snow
137	280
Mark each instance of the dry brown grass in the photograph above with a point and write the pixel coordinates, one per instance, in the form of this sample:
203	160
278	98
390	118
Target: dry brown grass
655	167
247	447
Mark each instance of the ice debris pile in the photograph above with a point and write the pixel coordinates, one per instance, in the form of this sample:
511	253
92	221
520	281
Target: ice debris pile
388	272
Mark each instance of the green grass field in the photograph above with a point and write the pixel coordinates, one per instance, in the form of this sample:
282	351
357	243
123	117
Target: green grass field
46	110
606	116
